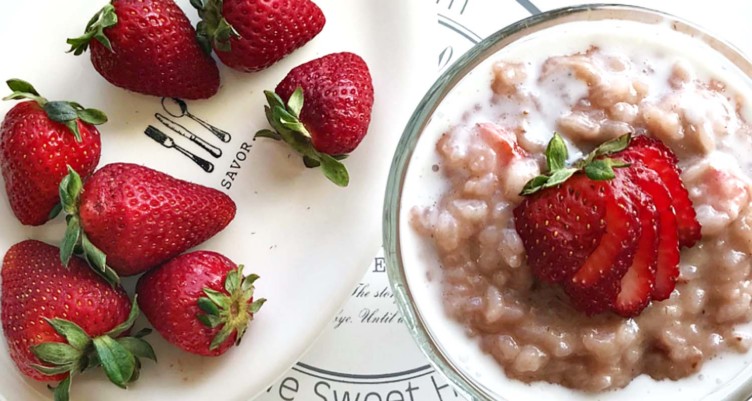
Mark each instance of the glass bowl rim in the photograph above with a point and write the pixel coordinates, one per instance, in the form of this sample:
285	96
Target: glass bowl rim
419	120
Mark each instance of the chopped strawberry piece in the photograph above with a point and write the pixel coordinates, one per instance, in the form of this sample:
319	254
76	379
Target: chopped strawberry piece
656	156
596	284
502	141
561	227
638	283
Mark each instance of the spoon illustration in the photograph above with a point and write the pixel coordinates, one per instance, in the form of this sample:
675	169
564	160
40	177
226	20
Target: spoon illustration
223	135
162	138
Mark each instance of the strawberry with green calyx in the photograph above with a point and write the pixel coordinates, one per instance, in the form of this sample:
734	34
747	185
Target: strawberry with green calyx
201	302
251	35
38	140
149	47
335	116
579	224
75	239
59	321
67	113
595	165
138	217
609	228
288	128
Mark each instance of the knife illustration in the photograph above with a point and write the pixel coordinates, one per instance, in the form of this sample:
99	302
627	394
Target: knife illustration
181	130
162	138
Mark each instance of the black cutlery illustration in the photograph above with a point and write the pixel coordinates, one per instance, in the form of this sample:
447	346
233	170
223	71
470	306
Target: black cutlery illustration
170	123
224	136
162	138
182	131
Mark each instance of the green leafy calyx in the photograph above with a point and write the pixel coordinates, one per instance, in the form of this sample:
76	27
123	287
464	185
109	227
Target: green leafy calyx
594	165
75	241
287	127
232	310
63	112
103	19
213	30
118	356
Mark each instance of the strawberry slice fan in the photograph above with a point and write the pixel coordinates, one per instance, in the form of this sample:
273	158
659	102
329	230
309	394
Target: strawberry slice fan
608	228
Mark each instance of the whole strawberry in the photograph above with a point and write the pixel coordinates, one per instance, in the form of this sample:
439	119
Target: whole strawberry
200	302
608	228
38	140
251	35
150	47
60	321
129	218
327	112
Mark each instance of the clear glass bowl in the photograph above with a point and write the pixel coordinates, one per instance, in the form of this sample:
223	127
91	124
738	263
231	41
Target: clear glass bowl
738	388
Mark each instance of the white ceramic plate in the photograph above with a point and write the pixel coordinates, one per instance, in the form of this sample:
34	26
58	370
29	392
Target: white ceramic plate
309	240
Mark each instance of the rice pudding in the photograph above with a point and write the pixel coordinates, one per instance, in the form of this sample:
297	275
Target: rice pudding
590	87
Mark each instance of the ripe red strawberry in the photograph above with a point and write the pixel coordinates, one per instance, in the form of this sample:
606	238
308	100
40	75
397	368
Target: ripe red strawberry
580	228
656	156
200	302
138	217
251	35
335	116
634	253
59	321
150	47
38	140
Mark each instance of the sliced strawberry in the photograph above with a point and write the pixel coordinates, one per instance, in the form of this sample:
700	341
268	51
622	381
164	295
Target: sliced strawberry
667	270
596	284
638	283
656	156
560	227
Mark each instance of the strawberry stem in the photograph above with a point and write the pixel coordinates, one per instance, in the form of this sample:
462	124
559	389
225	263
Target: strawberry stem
75	240
594	165
23	90
213	30
119	357
232	310
104	18
287	127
